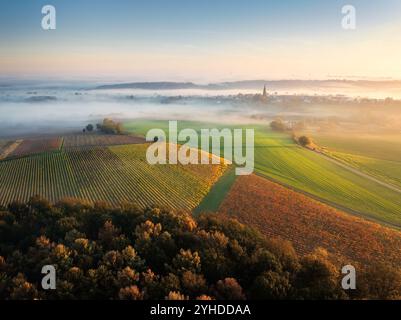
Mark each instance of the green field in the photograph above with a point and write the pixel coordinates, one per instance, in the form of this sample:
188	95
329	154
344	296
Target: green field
115	174
384	147
278	157
118	174
216	195
378	156
385	170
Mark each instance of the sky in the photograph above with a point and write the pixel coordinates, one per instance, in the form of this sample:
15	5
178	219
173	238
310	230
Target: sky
201	41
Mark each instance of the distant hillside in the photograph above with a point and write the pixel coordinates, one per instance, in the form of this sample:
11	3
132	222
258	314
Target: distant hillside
151	85
256	84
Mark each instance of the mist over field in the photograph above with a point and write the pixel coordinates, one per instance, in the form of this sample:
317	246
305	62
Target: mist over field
43	108
65	110
208	151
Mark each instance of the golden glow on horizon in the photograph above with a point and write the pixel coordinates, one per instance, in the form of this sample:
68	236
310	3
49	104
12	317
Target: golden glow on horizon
371	56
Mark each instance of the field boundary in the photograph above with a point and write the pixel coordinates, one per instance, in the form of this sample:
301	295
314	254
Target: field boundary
217	193
85	148
347	166
332	204
10	149
90	140
34	154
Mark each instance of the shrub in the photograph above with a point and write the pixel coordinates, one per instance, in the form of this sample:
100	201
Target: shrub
305	141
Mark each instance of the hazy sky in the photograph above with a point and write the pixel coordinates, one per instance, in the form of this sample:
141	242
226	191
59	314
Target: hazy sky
200	40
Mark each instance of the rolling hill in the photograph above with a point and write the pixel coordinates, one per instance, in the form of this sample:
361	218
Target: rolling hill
282	213
114	174
279	158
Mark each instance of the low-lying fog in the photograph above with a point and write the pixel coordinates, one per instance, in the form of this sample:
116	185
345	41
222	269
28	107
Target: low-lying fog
39	110
24	111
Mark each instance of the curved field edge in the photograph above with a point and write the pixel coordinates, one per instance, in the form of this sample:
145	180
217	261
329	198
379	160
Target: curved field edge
384	147
385	170
278	158
378	156
115	174
212	201
282	213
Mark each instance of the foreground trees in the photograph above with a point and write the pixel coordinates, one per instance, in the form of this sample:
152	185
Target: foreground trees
127	253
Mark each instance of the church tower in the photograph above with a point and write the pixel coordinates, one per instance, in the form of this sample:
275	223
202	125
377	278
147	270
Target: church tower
264	92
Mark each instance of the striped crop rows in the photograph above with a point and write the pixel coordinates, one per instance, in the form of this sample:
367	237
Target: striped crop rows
116	174
99	140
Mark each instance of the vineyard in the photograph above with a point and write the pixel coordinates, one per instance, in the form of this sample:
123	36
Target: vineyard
279	212
114	174
34	146
25	147
98	140
277	157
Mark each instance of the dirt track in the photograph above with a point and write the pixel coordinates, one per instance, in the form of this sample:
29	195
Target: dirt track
360	173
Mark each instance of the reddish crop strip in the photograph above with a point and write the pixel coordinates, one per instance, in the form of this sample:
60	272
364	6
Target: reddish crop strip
33	146
278	212
99	140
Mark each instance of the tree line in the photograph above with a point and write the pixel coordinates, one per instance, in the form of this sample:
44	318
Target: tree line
280	126
101	252
107	126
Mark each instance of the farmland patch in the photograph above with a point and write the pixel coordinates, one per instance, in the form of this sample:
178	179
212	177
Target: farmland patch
279	212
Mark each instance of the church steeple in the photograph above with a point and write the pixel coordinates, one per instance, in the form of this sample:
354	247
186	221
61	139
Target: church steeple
264	92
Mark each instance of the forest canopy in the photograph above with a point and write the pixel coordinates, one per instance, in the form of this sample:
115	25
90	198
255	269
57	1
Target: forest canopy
101	252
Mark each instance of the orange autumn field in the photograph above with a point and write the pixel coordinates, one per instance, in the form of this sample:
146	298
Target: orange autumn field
282	213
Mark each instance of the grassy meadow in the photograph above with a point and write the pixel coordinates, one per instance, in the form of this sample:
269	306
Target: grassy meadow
278	157
378	156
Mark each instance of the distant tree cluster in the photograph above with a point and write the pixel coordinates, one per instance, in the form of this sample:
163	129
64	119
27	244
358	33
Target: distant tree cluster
278	125
89	127
109	126
130	253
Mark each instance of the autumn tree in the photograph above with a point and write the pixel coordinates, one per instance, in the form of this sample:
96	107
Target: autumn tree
229	289
278	125
304	141
380	281
102	252
318	278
